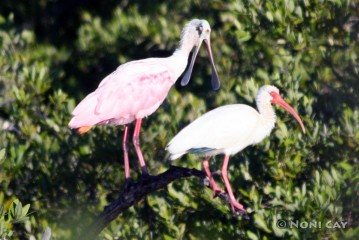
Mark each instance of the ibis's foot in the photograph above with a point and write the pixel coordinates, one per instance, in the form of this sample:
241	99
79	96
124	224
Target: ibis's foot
237	208
241	213
217	190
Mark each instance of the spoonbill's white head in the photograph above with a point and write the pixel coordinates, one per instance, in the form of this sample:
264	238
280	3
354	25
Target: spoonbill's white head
194	33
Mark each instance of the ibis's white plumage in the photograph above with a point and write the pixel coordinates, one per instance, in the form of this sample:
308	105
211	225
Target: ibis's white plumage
227	130
217	131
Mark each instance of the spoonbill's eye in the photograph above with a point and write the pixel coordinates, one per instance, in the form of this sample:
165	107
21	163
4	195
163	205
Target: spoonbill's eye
199	29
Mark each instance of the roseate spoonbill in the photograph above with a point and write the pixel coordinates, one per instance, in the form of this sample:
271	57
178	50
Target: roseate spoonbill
137	88
228	130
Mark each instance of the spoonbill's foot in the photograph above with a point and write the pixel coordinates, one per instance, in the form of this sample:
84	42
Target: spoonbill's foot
128	184
145	173
145	177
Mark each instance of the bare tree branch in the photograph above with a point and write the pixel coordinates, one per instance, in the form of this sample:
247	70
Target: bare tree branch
136	191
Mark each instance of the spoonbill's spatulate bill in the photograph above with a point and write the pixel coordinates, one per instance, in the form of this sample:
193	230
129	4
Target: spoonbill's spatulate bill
227	130
136	89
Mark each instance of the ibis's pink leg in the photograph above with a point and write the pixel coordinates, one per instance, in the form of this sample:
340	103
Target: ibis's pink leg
136	142
212	182
125	152
234	204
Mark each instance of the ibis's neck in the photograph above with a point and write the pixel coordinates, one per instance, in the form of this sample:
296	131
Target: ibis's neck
267	115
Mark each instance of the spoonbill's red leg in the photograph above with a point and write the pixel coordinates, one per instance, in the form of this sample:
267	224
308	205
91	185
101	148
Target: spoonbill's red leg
125	152
136	142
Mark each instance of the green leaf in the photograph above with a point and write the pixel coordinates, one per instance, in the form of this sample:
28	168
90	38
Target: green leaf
18	209
251	235
269	15
260	222
20	220
304	189
346	166
2	155
25	210
52	124
1	210
328	178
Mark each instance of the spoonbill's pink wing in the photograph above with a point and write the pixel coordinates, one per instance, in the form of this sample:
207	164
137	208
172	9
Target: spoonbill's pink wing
135	90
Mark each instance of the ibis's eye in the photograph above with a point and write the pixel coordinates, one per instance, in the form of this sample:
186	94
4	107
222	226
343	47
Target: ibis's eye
275	96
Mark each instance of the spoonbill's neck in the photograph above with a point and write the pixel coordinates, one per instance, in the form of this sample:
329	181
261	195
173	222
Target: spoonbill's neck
267	115
179	59
185	48
181	54
189	38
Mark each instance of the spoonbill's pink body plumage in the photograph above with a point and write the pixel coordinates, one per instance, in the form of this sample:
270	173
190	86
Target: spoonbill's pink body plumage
136	89
127	94
228	130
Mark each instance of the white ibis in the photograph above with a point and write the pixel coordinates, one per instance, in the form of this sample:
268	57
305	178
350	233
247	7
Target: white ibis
228	130
136	89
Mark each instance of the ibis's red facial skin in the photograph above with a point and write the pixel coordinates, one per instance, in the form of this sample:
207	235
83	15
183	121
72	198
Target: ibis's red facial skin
277	99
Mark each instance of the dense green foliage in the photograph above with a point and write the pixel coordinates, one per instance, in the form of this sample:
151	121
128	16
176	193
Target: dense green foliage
53	53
